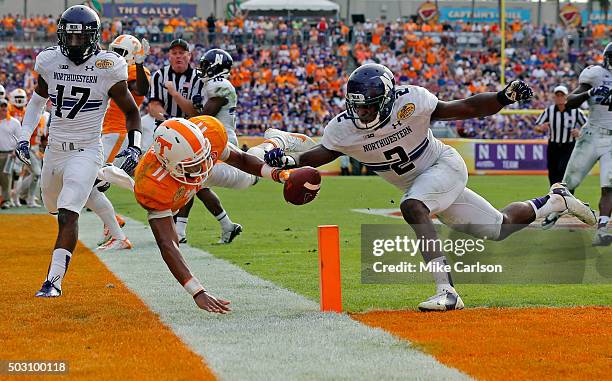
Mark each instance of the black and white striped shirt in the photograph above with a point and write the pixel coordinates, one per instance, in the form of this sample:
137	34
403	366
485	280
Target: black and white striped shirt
561	123
184	83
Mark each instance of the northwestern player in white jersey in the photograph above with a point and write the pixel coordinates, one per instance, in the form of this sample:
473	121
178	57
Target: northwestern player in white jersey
80	79
595	141
387	128
214	95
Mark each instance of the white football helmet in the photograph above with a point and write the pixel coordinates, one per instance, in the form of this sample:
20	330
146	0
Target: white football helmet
183	151
126	45
2	92
18	98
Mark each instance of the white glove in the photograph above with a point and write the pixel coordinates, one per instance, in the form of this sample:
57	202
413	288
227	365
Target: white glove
141	55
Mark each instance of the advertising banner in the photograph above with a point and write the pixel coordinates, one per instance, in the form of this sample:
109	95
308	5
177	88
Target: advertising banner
482	14
145	10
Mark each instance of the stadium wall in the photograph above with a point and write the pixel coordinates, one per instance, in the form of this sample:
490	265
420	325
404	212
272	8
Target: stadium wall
390	9
482	157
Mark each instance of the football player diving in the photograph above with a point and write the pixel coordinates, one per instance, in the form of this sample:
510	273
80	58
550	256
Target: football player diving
387	128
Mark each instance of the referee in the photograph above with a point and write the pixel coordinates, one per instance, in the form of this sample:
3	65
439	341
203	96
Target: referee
180	78
179	74
564	126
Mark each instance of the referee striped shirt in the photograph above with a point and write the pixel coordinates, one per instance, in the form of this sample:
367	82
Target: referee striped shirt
561	123
184	83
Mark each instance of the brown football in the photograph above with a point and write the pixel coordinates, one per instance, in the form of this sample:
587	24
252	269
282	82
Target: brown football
302	186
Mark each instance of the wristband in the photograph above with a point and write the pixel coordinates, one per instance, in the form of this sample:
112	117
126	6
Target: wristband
193	286
503	99
134	138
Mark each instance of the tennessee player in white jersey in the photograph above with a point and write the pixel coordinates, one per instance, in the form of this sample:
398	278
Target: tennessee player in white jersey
387	128
79	79
595	141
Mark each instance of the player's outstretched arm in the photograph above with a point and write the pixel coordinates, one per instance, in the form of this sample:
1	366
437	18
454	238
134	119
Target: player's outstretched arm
123	98
314	157
483	104
30	120
167	241
577	97
142	80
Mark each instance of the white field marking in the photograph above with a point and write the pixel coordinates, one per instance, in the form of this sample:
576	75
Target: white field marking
272	333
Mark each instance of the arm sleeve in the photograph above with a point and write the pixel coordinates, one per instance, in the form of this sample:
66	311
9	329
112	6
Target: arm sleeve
588	76
543	118
32	115
427	101
156	91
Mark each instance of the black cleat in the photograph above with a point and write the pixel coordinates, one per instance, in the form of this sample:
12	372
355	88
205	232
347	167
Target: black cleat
228	236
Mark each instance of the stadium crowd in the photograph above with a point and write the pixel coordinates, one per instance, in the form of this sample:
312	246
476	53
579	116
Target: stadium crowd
290	74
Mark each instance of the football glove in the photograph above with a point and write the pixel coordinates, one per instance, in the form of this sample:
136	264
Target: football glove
600	91
277	158
141	55
132	155
22	151
102	185
515	91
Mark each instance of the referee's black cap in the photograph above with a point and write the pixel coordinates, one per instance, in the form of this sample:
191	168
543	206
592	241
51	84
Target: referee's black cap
179	42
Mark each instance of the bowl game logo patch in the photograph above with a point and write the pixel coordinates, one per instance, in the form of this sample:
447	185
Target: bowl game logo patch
406	111
104	64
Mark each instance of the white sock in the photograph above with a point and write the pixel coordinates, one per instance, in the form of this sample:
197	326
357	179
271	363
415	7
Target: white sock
181	226
58	267
543	206
224	220
102	206
33	188
442	278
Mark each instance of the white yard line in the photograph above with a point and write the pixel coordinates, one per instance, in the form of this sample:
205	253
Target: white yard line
272	334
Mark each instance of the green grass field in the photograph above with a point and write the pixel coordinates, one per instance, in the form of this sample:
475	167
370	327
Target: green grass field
279	242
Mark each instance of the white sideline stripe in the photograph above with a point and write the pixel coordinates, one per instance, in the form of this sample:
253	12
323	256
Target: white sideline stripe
272	333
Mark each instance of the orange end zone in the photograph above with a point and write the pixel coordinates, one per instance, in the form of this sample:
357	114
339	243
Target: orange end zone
501	344
100	327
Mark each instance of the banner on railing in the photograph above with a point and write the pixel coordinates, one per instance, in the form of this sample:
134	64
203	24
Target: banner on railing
146	10
483	14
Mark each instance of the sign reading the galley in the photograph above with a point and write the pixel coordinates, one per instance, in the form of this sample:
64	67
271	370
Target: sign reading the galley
428	11
570	15
146	10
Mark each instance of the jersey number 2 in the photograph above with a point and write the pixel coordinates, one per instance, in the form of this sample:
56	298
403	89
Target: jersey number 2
404	165
84	91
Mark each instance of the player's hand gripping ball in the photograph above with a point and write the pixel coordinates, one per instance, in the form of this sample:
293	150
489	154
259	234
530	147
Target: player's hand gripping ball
301	185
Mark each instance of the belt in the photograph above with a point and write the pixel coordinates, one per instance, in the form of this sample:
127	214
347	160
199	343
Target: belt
66	146
5	152
605	131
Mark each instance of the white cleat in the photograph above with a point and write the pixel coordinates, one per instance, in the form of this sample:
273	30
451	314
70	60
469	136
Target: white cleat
291	142
116	244
574	206
444	301
227	236
15	200
106	236
33	204
602	238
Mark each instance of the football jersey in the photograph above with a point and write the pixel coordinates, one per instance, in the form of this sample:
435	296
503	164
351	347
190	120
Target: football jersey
79	93
221	87
114	120
399	150
16	112
157	191
600	108
39	130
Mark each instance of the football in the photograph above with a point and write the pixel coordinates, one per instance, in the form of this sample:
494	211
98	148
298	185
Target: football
302	186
